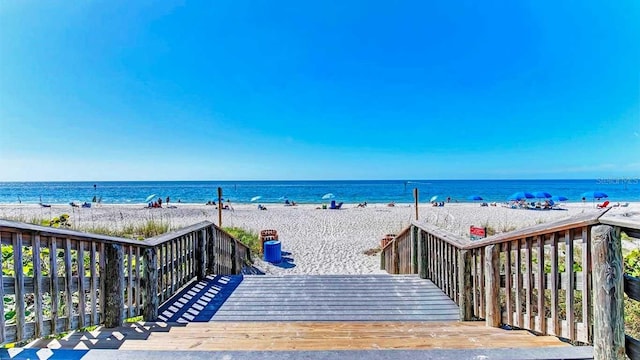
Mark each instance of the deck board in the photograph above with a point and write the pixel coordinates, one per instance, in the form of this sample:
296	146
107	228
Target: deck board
282	336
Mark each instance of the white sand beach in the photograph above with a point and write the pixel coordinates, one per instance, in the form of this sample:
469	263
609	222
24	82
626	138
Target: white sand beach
314	241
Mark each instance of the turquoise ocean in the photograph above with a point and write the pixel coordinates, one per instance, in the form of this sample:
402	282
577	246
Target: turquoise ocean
310	192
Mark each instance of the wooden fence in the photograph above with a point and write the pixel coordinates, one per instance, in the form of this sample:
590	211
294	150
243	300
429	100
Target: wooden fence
56	280
562	278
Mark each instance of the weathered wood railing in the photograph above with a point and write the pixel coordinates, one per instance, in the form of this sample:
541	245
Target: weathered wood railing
57	280
545	278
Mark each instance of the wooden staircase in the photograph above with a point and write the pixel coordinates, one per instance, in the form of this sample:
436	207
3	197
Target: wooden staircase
316	314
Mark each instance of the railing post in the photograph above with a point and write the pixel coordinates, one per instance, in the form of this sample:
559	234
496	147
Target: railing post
465	297
608	293
234	257
396	257
150	288
201	254
492	285
414	249
422	249
114	285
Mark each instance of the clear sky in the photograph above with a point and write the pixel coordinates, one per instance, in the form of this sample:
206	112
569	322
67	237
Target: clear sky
345	89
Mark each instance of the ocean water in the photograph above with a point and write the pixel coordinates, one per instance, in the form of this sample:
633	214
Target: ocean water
353	191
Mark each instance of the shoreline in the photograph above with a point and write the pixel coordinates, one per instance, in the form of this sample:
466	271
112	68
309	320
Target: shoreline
314	241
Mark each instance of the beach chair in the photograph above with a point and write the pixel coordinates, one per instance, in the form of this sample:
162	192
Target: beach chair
603	205
334	206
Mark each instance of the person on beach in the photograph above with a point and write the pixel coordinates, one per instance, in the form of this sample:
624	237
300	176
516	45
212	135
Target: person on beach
167	201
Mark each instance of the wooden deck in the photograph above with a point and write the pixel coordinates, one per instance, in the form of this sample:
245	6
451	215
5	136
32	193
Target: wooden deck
299	336
305	313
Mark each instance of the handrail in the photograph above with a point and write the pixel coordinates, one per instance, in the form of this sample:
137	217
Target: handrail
534	278
162	238
60	279
8	226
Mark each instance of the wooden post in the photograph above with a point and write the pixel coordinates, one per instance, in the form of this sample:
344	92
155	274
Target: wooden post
465	297
608	293
220	207
396	257
18	271
114	285
201	254
234	257
414	250
422	249
150	287
492	285
415	196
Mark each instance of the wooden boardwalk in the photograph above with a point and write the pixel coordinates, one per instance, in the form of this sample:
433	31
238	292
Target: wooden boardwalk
303	313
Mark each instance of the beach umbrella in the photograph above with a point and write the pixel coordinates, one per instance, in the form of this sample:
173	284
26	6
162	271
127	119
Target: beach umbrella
150	197
541	194
256	198
433	198
520	195
328	196
559	198
594	194
475	197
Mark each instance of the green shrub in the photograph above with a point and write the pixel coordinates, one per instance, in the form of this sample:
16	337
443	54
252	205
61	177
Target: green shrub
249	238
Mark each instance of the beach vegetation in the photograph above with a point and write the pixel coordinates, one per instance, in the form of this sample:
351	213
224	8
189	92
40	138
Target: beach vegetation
247	237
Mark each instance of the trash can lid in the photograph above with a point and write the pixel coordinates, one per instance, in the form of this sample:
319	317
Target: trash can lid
272	242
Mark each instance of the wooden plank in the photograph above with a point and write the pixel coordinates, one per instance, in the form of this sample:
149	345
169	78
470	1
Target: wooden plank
570	294
182	270
103	286
585	287
519	320
68	292
492	285
508	286
55	288
19	283
37	286
482	292
632	287
129	282
94	284
138	282
172	261
632	348
542	326
151	299
476	280
114	284
465	297
555	318
529	289
81	288
608	288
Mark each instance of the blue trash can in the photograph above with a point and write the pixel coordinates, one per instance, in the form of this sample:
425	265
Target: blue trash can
272	251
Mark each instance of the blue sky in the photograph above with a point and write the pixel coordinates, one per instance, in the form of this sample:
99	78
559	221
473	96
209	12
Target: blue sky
242	90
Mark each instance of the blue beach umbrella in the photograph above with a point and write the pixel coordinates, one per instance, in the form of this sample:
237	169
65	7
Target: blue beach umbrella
475	197
520	195
328	196
559	198
150	197
541	195
256	198
433	198
594	194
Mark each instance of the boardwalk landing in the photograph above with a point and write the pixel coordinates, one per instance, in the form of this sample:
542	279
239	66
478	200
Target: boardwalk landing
345	316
